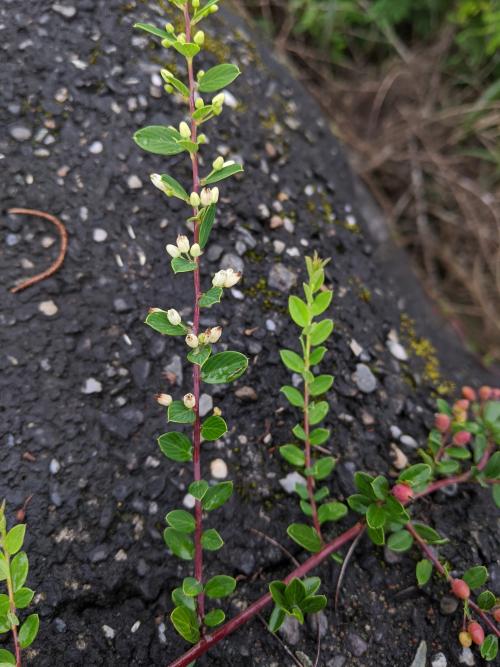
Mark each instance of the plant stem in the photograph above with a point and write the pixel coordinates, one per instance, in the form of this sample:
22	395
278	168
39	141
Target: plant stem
213	638
428	553
10	590
198	555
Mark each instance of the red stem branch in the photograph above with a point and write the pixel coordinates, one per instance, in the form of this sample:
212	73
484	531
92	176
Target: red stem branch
198	550
310	478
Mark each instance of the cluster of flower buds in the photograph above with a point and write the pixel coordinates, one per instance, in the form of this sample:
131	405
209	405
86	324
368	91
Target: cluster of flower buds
226	278
189	401
209	336
218	103
209	196
183	247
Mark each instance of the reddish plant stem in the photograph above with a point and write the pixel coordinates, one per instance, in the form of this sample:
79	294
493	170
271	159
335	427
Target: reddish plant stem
10	590
213	638
429	554
198	550
310	478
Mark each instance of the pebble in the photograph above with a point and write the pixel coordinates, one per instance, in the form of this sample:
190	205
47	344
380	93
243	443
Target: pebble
356	644
174	370
99	235
232	261
337	661
214	252
264	212
20	133
92	386
60	625
408	441
467	657
399	458
270	325
109	633
230	99
134	182
290	630
420	658
189	501
397	350
96	147
65	10
288	483
135	627
48	241
364	379
448	605
278	247
356	348
246	393
396	432
318	621
439	660
218	469
54	466
61	95
206	404
48	308
281	278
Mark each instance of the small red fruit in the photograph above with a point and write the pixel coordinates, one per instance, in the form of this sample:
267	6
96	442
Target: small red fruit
461	405
496	614
442	422
465	639
469	393
485	393
476	632
402	493
460	589
462	438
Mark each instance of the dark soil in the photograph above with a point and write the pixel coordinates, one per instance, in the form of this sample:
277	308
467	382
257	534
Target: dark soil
100	487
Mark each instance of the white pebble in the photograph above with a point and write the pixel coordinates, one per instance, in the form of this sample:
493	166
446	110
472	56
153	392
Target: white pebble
48	241
109	633
96	147
288	483
397	350
135	627
279	247
99	235
467	657
439	660
206	404
91	386
134	182
48	308
218	469
54	467
189	501
409	441
65	10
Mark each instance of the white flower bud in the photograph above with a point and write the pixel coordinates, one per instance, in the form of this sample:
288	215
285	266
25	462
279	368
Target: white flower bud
199	103
217	412
168	88
213	9
232	277
184	130
183	243
170	28
215	195
202	339
173	317
219	279
173	250
157	182
199	38
164	399
181	37
195	3
214	334
194	199
195	250
206	197
189	401
218	100
192	341
218	163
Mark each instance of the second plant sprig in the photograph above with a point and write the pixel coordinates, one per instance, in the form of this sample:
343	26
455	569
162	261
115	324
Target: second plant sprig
189	617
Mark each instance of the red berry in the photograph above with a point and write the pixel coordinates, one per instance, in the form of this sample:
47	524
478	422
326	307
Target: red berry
462	404
476	632
496	614
469	393
402	493
462	438
460	589
465	639
485	393
442	422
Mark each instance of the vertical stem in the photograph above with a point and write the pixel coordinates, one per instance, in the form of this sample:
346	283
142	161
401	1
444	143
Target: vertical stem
310	478
10	590
198	556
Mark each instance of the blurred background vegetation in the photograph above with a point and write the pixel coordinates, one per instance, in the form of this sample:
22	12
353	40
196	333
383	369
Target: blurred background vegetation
413	89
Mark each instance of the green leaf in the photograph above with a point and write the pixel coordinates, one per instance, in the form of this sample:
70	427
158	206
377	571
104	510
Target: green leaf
176	446
6	657
276	619
489	648
213	295
322	467
202	114
213	428
217	495
305	507
423	571
220	586
305	536
420	473
180	599
214	617
183	265
301	490
4	604
15	538
376	535
319	436
211	540
299	311
320	331
179	543
224	367
428	534
333	511
380	487
293	395
180	86
460	453
295	592
217	77
19	567
299	432
492	469
188	145
203	11
359	503
400	541
277	590
29	630
188	50
221	174
317	355
487	600
313	604
207	221
198	489
447	467
158	139
4	567
395	510
496	494
191	587
293	455
492	413
321	302
476	576
320	384
200	355
174	187
185	622
23	597
317	412
181	520
177	412
153	30
292	361
321	494
311	584
375	516
363	482
158	321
